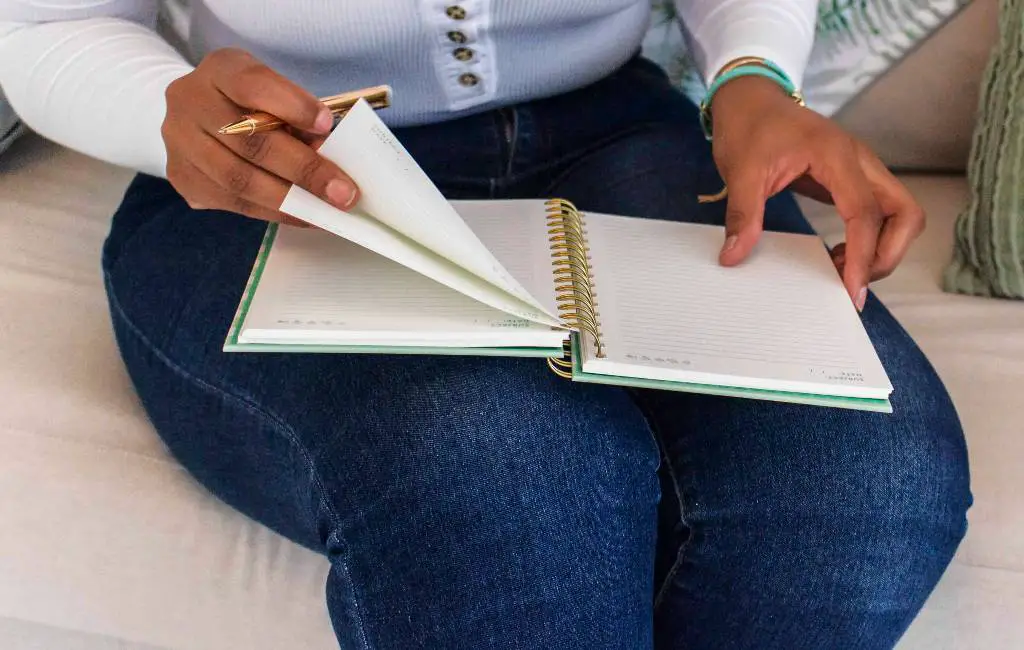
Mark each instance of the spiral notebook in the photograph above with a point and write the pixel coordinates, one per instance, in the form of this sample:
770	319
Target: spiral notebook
600	298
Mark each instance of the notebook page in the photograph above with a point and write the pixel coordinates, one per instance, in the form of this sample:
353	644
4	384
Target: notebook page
516	232
397	193
373	235
318	287
781	321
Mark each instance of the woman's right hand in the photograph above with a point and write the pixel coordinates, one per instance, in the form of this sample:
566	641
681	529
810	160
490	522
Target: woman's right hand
247	174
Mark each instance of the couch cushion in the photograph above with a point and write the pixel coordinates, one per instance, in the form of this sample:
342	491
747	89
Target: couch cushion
105	537
103	532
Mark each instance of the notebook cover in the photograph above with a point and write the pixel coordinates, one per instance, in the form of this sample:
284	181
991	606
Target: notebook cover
860	404
232	344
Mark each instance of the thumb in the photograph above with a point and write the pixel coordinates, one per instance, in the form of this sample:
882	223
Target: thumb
744	216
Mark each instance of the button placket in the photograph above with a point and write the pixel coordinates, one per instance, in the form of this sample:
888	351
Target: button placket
463	50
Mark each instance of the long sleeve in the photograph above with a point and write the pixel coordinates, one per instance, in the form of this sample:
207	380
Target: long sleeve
719	31
90	75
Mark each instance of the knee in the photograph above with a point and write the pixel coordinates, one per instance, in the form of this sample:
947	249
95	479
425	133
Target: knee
917	462
917	472
500	447
893	511
496	487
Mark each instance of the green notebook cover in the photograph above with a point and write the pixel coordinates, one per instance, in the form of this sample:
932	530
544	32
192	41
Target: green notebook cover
856	403
232	344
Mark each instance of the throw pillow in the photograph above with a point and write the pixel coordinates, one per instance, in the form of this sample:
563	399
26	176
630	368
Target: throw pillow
988	252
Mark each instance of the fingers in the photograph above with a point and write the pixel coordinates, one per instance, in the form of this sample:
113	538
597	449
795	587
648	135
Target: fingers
289	158
744	215
247	175
861	241
842	176
237	177
294	161
313	140
807	186
838	254
904	217
249	83
204	193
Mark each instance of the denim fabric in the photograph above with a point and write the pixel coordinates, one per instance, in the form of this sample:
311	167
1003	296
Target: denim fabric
486	503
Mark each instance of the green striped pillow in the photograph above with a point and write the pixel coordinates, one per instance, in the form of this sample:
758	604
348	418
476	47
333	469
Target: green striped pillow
988	253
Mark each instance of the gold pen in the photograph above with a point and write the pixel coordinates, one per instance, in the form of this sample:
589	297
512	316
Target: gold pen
378	97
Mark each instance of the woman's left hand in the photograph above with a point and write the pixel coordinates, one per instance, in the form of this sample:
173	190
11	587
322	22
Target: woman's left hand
765	142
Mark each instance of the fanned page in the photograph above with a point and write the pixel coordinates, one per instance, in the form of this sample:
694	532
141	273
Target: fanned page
318	289
405	218
780	321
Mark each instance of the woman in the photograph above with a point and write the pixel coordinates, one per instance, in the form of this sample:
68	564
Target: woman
471	503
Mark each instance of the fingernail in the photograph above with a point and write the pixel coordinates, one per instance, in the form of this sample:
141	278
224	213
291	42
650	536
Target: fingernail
341	193
324	121
862	297
730	243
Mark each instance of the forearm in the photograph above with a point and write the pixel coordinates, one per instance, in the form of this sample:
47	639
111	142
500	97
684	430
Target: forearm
719	31
94	84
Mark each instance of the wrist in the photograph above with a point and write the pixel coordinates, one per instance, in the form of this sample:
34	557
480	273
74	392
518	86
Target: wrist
745	95
733	80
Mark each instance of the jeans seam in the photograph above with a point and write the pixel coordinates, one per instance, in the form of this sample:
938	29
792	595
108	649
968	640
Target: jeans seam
686	543
252	408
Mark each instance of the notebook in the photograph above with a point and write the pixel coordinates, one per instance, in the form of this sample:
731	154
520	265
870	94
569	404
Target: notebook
600	298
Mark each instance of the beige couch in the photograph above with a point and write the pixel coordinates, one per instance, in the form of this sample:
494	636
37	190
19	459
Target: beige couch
106	543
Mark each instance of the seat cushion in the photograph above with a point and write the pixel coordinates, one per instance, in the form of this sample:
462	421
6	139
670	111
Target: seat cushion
103	532
106	540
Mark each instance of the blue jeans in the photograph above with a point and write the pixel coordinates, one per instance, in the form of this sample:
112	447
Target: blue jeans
486	503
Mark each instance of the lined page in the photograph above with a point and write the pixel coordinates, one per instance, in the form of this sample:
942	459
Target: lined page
401	210
515	231
782	320
319	286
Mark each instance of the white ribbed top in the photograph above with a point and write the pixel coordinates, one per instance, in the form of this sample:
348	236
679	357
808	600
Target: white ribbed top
91	74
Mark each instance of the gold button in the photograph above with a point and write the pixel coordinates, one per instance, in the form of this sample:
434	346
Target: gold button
463	53
455	12
468	79
457	37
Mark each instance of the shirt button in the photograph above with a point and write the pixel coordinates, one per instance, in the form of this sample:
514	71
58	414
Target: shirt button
468	79
457	37
455	12
463	53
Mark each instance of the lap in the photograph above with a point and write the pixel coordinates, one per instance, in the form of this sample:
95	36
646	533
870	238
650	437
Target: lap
784	508
392	449
453	477
174	287
175	274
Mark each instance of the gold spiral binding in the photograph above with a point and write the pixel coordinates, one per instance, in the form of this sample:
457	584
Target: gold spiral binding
574	279
563	367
